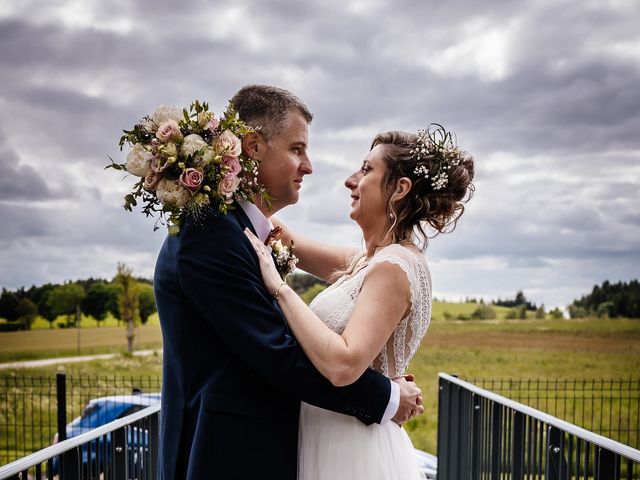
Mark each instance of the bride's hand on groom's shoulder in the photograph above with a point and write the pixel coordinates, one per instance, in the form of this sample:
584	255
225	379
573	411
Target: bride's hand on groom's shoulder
410	399
270	275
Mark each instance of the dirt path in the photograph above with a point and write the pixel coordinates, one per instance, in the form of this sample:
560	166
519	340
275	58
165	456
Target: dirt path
60	360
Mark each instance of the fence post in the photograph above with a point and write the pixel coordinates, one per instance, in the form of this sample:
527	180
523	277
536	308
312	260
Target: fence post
517	458
608	464
496	440
154	444
476	435
556	467
120	453
444	426
61	395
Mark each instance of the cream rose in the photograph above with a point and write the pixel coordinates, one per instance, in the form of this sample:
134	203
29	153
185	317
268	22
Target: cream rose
170	192
228	186
191	178
204	118
139	160
191	144
166	112
227	144
168	131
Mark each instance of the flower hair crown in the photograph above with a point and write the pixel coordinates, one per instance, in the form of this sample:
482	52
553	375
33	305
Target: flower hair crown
186	160
438	144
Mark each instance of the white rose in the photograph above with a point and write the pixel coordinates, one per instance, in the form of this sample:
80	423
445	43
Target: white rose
166	112
191	144
228	144
170	192
139	160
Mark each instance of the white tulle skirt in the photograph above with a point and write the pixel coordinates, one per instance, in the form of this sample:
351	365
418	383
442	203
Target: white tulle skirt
332	446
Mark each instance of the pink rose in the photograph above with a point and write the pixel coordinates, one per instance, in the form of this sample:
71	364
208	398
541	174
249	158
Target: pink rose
168	131
191	178
151	180
227	144
232	164
213	124
228	186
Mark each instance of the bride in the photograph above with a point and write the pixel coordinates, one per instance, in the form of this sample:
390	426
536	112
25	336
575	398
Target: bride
378	308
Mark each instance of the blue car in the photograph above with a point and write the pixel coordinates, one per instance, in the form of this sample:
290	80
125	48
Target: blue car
100	411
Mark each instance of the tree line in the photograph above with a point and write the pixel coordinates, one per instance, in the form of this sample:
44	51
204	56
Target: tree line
127	298
621	299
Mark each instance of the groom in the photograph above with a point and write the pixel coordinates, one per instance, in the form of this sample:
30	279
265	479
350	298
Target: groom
233	374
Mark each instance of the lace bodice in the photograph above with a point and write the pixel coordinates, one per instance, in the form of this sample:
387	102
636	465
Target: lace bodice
335	305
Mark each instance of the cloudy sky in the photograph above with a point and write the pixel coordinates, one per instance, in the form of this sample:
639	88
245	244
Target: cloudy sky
543	93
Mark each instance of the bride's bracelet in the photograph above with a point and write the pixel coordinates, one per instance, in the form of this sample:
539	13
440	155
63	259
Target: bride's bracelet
276	294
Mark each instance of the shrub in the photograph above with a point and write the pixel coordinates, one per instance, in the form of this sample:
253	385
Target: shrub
484	312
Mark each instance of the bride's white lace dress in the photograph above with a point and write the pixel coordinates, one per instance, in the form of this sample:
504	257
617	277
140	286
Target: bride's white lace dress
333	446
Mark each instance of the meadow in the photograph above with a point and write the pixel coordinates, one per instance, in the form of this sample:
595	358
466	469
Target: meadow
515	349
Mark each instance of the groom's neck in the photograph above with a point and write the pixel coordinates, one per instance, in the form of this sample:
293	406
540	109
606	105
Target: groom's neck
264	207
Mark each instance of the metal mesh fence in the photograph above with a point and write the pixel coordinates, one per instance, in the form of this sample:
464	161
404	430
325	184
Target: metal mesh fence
29	412
608	407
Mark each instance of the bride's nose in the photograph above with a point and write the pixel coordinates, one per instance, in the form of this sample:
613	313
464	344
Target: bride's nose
352	181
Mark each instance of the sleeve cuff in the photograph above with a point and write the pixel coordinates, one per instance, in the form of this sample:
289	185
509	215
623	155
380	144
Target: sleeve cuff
394	403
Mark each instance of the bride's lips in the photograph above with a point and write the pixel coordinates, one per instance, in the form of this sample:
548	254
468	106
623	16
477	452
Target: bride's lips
354	198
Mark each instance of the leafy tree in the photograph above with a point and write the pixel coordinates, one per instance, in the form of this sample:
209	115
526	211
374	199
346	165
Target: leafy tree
556	314
621	299
147	301
9	305
128	301
66	300
540	312
27	311
519	301
605	309
96	303
44	307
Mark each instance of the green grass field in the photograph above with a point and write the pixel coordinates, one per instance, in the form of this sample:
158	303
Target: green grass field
520	349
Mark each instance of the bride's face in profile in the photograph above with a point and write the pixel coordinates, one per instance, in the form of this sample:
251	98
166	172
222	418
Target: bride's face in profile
368	199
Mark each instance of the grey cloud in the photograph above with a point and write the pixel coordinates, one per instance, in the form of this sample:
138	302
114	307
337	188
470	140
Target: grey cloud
560	126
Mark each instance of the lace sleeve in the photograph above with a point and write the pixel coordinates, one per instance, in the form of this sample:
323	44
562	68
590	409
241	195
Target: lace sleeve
403	344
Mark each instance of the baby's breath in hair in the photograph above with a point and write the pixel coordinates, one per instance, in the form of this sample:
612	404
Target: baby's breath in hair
436	143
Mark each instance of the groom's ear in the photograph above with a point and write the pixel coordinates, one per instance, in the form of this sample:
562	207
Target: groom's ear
251	144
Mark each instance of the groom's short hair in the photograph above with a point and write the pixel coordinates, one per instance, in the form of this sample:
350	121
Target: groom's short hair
266	108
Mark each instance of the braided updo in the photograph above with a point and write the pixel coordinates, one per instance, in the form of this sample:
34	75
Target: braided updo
438	206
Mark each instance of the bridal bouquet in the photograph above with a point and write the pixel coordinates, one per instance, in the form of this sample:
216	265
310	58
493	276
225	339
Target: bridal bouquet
187	160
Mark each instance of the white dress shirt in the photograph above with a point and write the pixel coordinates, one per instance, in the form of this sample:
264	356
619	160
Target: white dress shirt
263	226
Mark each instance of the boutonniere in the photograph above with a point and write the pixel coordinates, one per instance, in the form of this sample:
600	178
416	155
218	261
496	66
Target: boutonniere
282	254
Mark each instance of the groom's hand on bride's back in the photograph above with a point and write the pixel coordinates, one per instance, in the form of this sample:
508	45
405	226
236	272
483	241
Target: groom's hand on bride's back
410	399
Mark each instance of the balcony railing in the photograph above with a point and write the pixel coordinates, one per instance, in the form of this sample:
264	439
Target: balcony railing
482	435
126	448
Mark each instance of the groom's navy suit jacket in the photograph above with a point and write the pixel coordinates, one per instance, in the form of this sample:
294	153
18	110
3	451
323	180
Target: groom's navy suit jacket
233	374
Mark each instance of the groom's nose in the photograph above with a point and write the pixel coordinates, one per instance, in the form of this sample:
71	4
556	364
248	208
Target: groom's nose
305	166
